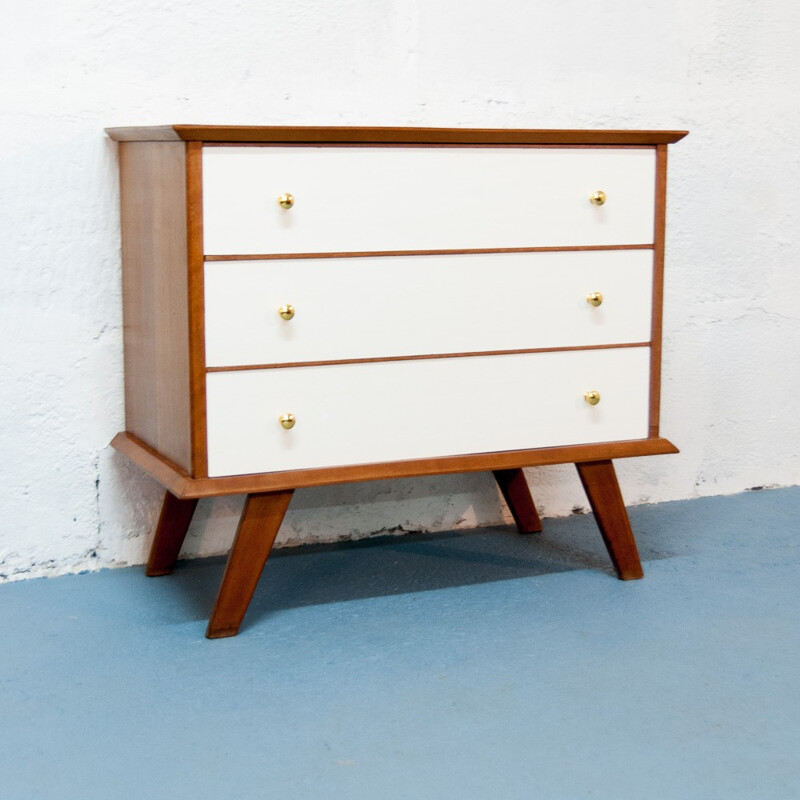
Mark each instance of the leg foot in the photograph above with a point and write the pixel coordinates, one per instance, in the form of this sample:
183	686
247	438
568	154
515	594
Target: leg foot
600	482
517	494
258	526
170	532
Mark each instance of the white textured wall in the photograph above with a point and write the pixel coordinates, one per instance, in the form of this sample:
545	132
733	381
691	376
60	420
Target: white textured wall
727	70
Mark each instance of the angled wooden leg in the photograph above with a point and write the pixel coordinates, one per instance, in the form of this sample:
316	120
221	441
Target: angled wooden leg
517	494
258	527
600	482
170	532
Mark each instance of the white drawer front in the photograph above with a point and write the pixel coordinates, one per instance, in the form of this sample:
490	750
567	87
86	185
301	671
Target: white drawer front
363	199
374	307
391	411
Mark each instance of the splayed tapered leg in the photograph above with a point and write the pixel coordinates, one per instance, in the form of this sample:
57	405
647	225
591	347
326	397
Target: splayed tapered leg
600	482
258	527
173	523
517	495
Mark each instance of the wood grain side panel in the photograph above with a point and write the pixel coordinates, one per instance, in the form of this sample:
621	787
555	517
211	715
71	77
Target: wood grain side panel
155	320
658	289
196	321
182	485
389	135
138	296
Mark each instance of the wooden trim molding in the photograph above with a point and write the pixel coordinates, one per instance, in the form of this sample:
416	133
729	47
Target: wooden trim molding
392	135
183	486
427	356
658	289
195	276
474	251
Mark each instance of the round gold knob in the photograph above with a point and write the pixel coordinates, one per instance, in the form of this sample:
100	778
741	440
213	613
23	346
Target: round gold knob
592	398
286	312
287	421
286	200
597	198
593	299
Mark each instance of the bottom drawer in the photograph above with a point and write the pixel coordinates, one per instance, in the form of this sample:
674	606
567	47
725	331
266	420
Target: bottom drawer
397	410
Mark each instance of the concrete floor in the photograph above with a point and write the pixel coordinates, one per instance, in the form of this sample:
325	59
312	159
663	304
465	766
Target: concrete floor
472	665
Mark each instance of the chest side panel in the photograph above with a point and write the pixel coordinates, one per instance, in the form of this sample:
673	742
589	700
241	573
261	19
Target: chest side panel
155	298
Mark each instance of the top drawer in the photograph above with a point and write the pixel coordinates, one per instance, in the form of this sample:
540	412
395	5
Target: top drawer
376	199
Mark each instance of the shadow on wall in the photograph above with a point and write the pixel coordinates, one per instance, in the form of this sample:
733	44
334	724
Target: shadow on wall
362	510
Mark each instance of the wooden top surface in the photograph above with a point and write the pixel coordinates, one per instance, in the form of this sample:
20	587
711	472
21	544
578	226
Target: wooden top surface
354	135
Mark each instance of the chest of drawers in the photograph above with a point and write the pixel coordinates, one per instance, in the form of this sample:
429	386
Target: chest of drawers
306	306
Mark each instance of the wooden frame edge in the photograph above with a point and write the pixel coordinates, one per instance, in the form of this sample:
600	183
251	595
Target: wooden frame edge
422	357
169	475
184	486
388	135
657	302
195	275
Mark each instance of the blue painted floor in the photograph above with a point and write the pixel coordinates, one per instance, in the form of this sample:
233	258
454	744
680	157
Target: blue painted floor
474	665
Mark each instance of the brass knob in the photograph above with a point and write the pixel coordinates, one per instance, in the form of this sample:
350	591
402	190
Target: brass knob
592	398
287	421
598	198
286	312
286	200
593	299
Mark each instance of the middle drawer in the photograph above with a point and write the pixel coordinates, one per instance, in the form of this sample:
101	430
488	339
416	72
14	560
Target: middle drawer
379	307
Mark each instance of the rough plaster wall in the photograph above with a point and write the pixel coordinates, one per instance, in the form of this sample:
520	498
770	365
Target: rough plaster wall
725	69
